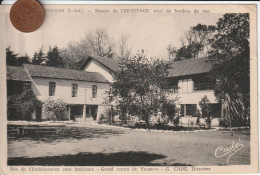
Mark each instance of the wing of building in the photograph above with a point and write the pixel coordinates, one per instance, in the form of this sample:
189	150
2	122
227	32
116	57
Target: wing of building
84	92
189	78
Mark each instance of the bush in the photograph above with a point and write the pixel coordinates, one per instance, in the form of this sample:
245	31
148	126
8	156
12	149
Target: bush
55	109
223	122
197	114
21	106
169	111
176	121
206	110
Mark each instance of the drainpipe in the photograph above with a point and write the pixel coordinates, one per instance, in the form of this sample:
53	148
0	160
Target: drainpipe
84	107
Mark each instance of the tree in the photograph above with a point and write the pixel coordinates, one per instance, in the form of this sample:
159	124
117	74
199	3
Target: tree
101	44
75	54
206	109
24	59
172	51
230	56
38	57
53	57
11	57
141	87
195	43
97	42
124	52
21	106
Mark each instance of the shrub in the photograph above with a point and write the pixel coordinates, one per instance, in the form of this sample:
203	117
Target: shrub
206	109
21	106
168	114
176	121
55	109
197	114
223	122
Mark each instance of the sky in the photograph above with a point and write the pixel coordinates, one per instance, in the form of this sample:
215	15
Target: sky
151	32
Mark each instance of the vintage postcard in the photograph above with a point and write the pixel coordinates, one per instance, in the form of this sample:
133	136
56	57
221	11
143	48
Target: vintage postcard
130	89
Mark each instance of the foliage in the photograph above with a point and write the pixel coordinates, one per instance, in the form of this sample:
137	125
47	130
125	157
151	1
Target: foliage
38	57
97	42
53	57
168	111
140	88
188	52
12	59
195	43
230	56
55	109
198	115
206	109
21	106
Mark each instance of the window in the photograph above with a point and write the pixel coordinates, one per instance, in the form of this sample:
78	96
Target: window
203	86
182	110
94	91
52	87
26	85
74	91
188	109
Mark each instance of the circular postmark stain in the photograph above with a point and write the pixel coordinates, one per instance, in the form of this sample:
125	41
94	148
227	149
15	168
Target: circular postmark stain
27	15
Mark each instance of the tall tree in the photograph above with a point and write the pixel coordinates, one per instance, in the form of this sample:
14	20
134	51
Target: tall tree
38	57
53	57
230	56
74	54
100	43
140	88
14	59
97	42
124	52
11	57
195	43
24	59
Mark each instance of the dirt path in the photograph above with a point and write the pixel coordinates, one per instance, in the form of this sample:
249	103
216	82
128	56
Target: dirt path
98	145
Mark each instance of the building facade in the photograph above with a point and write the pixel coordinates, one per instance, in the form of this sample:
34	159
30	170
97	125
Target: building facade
83	92
188	78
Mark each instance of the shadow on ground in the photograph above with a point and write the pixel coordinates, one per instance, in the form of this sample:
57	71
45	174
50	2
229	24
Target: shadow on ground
90	159
64	133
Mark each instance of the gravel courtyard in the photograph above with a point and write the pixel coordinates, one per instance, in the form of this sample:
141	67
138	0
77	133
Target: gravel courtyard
107	146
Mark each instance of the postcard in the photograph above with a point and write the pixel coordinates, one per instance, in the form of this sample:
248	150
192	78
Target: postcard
130	89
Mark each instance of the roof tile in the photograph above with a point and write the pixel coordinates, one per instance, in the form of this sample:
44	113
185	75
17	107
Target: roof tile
62	73
17	73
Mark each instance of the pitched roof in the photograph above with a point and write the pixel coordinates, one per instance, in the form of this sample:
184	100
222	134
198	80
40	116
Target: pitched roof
17	73
61	73
178	68
190	67
111	64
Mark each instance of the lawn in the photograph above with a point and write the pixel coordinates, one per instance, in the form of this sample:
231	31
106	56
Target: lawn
107	146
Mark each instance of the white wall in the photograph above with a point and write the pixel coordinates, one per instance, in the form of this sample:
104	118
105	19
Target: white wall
94	66
187	95
64	91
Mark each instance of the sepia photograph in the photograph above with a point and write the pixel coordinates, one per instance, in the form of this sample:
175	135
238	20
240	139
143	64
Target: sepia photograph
154	86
